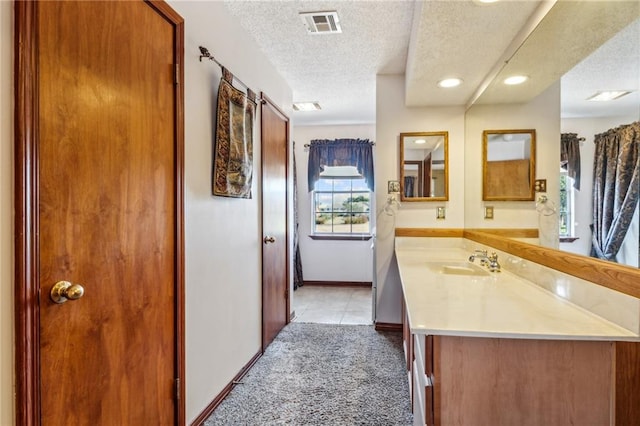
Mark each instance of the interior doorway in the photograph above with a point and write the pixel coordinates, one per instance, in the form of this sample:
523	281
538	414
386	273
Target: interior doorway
333	304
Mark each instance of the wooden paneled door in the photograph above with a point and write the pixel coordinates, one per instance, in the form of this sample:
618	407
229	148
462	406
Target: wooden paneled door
275	241
99	205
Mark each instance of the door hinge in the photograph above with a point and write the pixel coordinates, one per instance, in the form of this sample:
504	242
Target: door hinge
177	389
177	74
286	293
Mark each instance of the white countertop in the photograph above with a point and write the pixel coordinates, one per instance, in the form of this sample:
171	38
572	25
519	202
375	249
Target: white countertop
499	305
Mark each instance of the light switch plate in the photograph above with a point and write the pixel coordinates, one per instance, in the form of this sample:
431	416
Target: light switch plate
488	212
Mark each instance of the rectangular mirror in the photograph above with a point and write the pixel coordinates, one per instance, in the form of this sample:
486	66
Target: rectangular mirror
508	165
424	174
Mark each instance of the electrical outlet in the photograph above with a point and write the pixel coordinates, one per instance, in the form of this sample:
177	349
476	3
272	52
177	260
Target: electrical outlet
393	187
488	212
440	213
540	185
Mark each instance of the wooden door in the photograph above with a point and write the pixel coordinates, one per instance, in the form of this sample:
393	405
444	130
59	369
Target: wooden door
426	176
100	134
275	247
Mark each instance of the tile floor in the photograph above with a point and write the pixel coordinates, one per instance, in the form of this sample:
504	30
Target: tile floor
332	305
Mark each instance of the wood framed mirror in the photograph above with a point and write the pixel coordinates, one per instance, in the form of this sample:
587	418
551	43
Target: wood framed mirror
508	165
424	166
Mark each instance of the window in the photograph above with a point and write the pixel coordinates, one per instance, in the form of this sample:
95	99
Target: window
340	179
341	207
567	196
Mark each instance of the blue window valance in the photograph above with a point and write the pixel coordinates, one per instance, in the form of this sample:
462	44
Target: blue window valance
341	152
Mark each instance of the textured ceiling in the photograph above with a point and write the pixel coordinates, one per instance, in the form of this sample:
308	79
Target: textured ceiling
429	40
613	66
338	70
462	39
570	31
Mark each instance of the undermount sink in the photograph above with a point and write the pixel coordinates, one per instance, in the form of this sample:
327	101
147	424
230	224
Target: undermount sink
458	268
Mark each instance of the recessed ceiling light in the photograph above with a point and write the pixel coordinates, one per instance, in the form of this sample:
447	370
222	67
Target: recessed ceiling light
515	79
306	106
420	141
608	95
485	1
450	82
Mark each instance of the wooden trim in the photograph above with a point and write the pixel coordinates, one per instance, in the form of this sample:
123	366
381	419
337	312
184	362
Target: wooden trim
266	99
388	326
172	16
27	319
624	279
627	382
164	10
459	232
430	232
209	409
509	232
338	283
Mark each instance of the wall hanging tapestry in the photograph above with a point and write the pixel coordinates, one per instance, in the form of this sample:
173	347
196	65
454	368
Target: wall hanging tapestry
233	151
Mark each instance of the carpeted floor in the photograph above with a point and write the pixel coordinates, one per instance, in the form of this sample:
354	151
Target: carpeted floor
323	374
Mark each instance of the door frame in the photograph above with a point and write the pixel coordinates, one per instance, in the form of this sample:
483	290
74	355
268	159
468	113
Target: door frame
26	261
264	101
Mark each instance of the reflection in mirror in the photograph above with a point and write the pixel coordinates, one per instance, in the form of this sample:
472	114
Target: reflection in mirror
573	53
611	65
424	172
508	165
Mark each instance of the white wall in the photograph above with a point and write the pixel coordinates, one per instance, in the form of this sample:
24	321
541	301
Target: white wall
324	260
587	128
393	118
222	235
541	114
6	214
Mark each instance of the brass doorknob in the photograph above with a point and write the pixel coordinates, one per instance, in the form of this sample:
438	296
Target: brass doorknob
64	290
269	239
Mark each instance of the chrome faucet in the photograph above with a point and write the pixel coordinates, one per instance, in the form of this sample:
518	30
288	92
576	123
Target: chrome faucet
490	261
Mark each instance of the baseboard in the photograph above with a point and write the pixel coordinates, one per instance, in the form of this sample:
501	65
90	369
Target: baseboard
388	326
292	316
204	415
339	283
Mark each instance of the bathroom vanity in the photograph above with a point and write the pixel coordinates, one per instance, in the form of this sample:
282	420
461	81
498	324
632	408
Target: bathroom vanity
495	348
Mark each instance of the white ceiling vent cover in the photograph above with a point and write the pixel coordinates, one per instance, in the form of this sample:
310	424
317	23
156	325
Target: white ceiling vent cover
321	22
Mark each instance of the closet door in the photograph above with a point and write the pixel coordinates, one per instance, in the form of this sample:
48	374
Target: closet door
99	258
275	238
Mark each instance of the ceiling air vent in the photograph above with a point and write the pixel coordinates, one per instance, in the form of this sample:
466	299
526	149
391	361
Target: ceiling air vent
321	22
